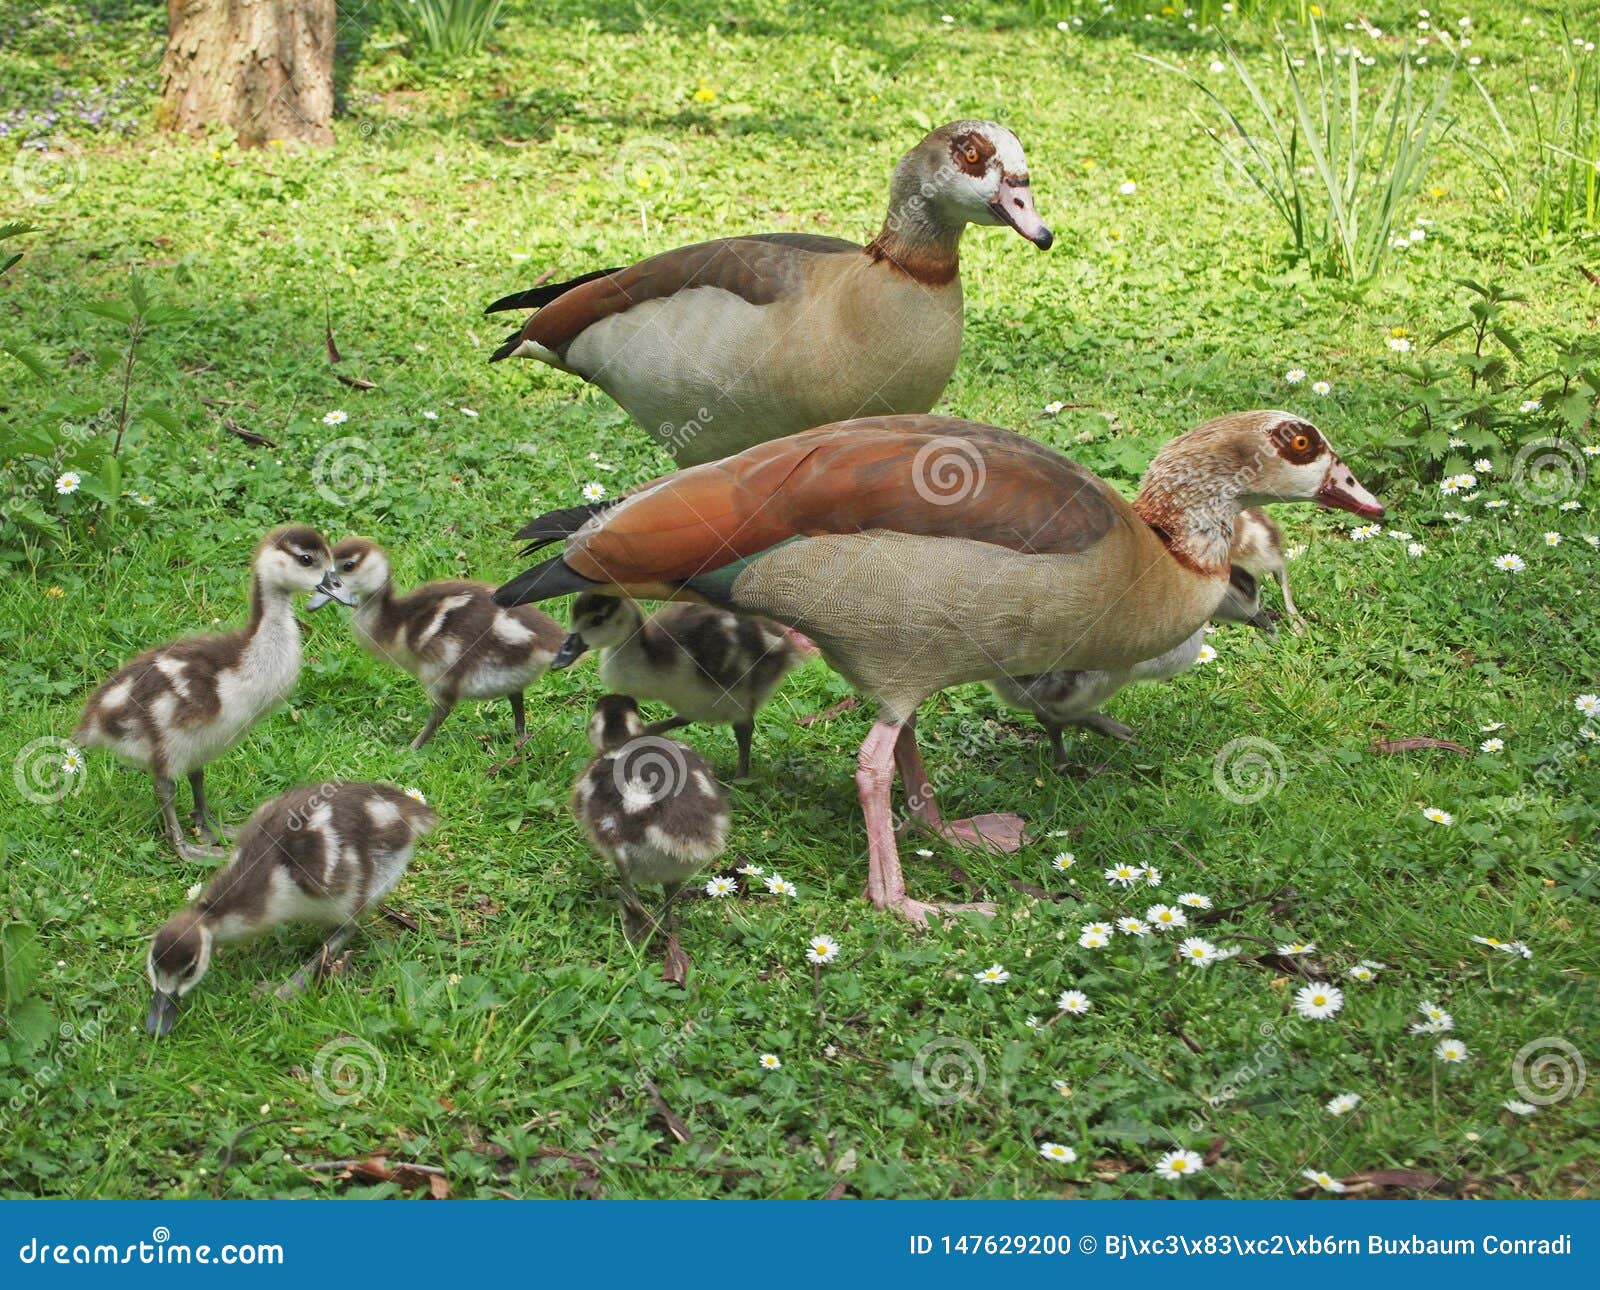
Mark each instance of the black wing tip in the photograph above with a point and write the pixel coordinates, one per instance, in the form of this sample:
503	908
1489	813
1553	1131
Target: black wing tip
542	582
508	347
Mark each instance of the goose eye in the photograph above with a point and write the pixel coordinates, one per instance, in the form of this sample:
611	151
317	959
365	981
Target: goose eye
348	566
972	155
305	559
1300	443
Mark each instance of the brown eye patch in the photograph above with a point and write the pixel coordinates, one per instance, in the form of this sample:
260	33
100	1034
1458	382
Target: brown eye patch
1297	441
972	153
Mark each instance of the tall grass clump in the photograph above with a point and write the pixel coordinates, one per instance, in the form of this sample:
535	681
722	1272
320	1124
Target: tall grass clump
448	27
1340	165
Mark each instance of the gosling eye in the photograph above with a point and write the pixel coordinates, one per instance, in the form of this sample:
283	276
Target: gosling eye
305	559
348	566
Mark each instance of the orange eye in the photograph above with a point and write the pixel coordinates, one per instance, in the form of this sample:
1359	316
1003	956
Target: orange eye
972	155
1300	443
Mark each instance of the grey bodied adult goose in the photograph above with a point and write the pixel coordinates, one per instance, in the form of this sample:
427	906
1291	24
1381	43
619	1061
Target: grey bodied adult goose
176	708
922	552
322	854
708	665
720	345
450	635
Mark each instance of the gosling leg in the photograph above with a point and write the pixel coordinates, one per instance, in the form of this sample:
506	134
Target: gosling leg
166	795
204	821
315	965
441	710
742	732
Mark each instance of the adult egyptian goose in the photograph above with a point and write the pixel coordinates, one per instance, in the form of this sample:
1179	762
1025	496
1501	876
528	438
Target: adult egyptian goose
176	708
717	346
323	854
1074	698
921	552
651	806
1258	546
707	665
451	636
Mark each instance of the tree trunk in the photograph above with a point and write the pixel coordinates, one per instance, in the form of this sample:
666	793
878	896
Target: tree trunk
263	67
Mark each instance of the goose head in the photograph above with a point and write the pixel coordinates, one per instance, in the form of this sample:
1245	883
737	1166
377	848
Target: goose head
296	559
614	722
966	172
179	957
360	567
598	622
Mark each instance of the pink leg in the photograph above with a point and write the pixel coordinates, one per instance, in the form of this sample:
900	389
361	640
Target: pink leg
886	883
980	832
801	641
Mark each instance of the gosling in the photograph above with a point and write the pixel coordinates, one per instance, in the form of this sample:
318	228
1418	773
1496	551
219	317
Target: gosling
451	636
322	854
706	664
1258	546
649	805
176	708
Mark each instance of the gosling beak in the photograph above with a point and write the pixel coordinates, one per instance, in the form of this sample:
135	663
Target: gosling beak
572	649
1014	206
163	1014
1341	492
1263	622
330	588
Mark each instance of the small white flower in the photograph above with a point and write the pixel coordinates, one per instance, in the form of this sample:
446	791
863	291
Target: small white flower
1498	504
1206	655
1124	875
1323	1180
1492	726
1360	972
431	416
1520	1108
1322	388
67	482
1414	549
1197	951
1179	1164
1217	66
1032	1022
1294	552
1094	940
750	870
1438	816
1552	538
1297	947
1483	465
1318	1001
1492	746
1437	1016
1530	405
194	891
1343	1104
468	412
1052	408
1400	344
925	853
1588	704
415	794
593	492
1152	877
1456	441
769	1061
1451	1050
1417	235
1056	1153
721	886
1364	532
1295	375
1128	188
144	499
1571	504
71	762
1074	1003
1132	927
822	949
1505	947
1063	862
335	418
780	886
1062	1087
1194	900
1591	450
994	974
1162	917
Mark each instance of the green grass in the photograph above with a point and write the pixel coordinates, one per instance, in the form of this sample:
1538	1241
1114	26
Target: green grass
517	1024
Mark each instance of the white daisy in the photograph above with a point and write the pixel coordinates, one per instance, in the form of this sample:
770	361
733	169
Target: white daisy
1438	816
1206	655
1297	947
1530	405
1162	917
335	418
1496	504
1571	504
719	887
415	794
1295	375
1457	442
1124	875
1343	1104
71	762
1194	900
750	870
1483	466
1064	861
1152	877
593	492
1056	1153
1322	388
1400	344
1451	1050
822	949
1032	1022
1519	1108
781	886
1294	552
1361	972
1323	1180
994	974
1510	562
1588	704
1179	1164
1552	538
194	891
1133	927
1414	549
1438	1020
1492	746
468	412
1128	188
1050	409
1364	531
431	416
1197	951
1491	727
144	499
67	482
1074	1003
1094	940
769	1061
1318	1001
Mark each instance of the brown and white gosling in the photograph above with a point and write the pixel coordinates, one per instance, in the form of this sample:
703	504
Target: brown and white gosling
176	708
706	664
1074	698
1258	546
651	806
450	635
321	854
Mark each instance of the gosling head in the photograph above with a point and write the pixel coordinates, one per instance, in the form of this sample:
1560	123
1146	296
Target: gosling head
179	957
615	722
294	559
361	567
967	172
598	622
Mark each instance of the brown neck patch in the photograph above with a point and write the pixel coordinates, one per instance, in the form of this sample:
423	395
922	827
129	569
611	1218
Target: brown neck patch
933	264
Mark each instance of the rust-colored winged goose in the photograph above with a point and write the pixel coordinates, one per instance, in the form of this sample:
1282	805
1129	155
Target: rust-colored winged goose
450	635
323	854
707	665
717	346
176	708
922	552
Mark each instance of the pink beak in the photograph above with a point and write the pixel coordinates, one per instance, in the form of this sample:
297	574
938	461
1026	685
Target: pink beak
1341	492
1014	206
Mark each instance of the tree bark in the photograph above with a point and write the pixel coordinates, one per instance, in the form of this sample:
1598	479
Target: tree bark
262	67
